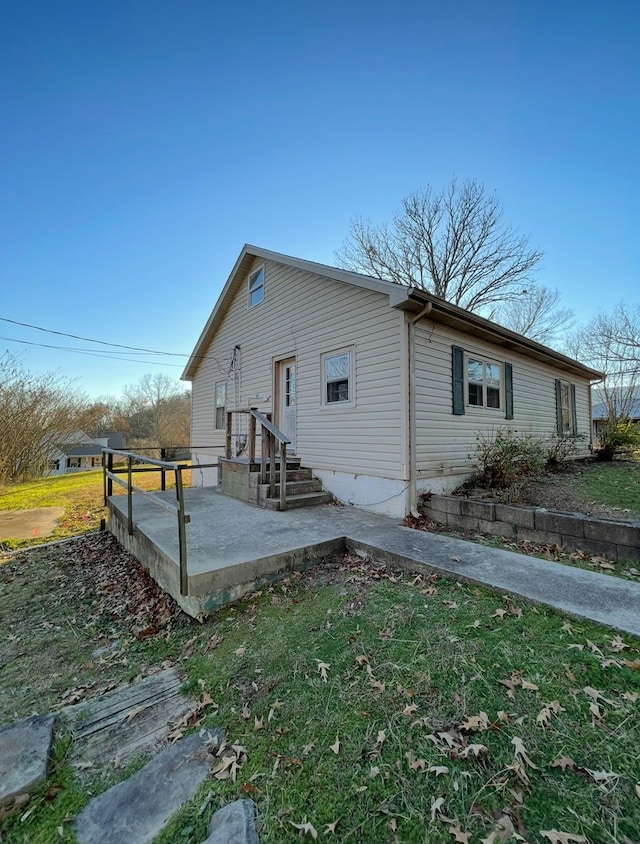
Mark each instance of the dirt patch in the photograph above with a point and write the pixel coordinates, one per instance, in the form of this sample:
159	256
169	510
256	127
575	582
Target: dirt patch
573	489
27	524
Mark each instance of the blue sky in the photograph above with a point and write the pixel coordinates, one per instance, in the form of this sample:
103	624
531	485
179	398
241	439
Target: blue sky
143	143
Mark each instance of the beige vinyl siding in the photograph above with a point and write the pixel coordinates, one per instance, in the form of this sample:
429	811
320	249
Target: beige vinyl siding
445	442
304	315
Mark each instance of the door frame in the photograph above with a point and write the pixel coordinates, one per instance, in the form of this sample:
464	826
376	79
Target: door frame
278	376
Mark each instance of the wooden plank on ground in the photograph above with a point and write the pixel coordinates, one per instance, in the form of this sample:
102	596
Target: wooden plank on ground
113	729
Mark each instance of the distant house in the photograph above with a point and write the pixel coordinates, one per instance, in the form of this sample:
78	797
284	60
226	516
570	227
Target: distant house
78	452
600	413
381	389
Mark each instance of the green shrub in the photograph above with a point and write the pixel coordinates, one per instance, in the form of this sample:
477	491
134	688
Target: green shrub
614	436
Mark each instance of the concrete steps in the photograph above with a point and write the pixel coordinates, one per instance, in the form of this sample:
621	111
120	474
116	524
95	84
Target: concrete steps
308	499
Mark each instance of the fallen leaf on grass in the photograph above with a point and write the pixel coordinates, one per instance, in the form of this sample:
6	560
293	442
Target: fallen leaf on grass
213	643
436	804
634	664
563	762
459	834
438	770
323	667
617	644
476	722
556	837
306	828
258	724
331	827
543	718
472	750
415	764
335	746
521	752
409	709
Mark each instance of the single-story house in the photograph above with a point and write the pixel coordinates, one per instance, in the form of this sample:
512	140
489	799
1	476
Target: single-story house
381	389
601	413
77	451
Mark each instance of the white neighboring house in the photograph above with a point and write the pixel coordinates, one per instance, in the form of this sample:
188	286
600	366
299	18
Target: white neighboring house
78	452
382	389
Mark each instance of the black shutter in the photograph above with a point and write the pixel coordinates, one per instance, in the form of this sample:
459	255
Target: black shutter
574	415
508	391
559	425
457	379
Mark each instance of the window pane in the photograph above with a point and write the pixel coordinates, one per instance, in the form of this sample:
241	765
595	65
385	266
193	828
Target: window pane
474	370
256	280
256	287
220	394
337	391
337	367
291	386
475	394
493	397
220	420
493	374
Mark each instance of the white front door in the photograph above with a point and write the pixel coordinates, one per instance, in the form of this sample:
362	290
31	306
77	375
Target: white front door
287	404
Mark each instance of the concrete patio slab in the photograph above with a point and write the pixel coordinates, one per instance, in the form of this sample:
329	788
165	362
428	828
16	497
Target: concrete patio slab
234	546
27	524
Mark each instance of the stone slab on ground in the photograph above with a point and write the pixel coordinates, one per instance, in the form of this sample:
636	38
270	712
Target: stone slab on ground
24	755
27	524
138	809
111	730
233	824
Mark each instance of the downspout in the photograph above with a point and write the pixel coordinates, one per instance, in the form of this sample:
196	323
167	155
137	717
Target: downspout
413	489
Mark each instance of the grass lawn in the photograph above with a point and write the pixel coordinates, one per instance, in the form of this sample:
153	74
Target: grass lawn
372	706
81	495
615	484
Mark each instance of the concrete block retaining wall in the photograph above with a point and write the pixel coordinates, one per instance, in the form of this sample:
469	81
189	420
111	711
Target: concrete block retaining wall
573	531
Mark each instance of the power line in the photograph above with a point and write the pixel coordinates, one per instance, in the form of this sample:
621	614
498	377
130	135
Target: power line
91	340
88	353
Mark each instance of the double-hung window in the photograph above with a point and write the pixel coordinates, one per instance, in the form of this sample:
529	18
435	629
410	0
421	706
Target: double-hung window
566	416
337	377
479	382
483	383
221	398
256	287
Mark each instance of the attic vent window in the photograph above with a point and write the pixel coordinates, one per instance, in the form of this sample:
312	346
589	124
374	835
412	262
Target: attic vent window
256	287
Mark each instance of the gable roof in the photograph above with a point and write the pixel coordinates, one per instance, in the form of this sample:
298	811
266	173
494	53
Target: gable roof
411	299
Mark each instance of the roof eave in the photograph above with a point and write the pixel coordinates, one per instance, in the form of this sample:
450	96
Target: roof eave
455	317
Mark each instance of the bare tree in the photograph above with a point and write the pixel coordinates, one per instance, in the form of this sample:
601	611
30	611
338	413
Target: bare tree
452	243
34	411
611	343
158	410
539	315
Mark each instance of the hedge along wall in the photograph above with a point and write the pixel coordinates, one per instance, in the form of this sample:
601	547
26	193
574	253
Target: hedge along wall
614	539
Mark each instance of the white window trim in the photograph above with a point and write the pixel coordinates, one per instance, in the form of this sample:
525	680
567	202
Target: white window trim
484	360
338	405
216	406
253	274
